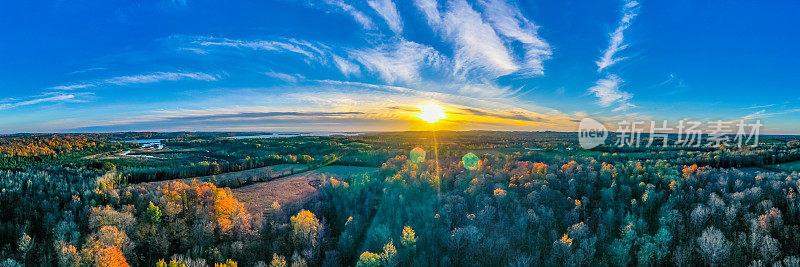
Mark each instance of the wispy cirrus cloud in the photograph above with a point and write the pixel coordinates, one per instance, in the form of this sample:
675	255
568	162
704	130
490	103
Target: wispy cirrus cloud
87	70
430	9
291	78
616	42
757	114
71	87
357	15
141	79
488	39
760	106
485	95
509	22
671	81
301	47
45	98
388	10
764	114
345	66
505	114
607	91
624	106
161	76
483	36
310	52
398	61
478	47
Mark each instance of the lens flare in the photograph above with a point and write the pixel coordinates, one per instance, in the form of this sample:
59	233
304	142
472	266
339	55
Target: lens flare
417	155
471	162
431	113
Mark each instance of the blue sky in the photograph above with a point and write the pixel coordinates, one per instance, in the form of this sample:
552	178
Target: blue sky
366	65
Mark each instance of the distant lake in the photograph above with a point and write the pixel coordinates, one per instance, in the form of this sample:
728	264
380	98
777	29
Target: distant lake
144	141
276	135
154	143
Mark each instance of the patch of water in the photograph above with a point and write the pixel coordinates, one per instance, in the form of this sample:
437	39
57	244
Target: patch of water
277	135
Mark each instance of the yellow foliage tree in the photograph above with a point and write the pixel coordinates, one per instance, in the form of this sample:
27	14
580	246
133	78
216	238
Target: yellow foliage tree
227	263
224	208
172	263
277	261
110	257
305	227
369	259
409	237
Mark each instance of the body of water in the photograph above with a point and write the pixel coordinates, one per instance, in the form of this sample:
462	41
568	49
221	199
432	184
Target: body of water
277	135
151	143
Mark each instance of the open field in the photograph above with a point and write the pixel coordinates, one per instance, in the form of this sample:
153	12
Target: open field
793	166
293	191
232	179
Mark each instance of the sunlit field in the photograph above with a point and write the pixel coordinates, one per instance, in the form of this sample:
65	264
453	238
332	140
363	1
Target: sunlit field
789	166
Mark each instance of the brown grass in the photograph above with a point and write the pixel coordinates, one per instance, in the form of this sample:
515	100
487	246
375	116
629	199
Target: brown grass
231	179
290	192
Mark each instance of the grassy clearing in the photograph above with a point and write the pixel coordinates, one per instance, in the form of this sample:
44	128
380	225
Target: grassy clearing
788	166
232	179
291	191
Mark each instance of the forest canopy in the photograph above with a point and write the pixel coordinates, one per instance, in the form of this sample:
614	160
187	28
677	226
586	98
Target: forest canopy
487	203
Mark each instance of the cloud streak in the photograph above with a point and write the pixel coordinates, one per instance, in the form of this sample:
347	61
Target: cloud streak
345	66
430	10
159	77
388	10
616	43
510	22
38	100
141	79
398	61
291	78
310	52
764	114
301	47
487	40
478	48
607	91
484	38
357	15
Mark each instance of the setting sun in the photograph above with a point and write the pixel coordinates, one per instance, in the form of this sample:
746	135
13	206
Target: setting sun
431	113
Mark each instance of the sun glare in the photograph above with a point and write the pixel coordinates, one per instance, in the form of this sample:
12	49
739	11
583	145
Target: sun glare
431	113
